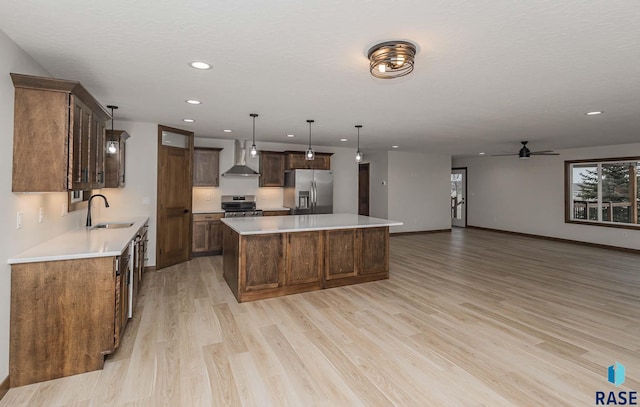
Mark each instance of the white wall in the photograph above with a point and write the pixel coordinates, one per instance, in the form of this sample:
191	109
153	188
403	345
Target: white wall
13	241
527	196
419	188
345	183
378	174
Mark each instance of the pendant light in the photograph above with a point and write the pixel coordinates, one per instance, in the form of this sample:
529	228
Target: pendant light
310	154
112	146
359	155
254	150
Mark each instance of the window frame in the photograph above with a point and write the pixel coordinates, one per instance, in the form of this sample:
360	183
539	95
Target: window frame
568	189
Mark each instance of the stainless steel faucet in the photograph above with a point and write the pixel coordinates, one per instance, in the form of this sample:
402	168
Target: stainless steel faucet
106	204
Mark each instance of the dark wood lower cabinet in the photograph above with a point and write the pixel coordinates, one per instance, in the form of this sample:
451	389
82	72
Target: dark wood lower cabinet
271	265
206	234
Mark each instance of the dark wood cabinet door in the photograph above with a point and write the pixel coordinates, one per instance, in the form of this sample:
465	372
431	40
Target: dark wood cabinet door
215	236
304	257
80	136
96	153
206	167
272	169
375	250
200	237
340	253
264	264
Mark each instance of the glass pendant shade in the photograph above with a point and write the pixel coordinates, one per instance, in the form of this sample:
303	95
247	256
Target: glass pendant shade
310	155
359	155
112	146
254	150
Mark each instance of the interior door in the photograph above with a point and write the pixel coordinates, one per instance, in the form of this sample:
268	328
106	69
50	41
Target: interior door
175	149
459	197
323	193
363	189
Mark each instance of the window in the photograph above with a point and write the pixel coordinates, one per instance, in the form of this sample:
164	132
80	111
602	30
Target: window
603	192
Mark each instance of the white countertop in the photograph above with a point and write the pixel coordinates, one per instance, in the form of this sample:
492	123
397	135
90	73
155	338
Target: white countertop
200	211
304	223
83	243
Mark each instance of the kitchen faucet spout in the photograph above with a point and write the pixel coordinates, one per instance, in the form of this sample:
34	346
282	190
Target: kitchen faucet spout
106	204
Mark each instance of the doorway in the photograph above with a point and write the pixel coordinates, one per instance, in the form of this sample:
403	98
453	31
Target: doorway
173	242
459	197
363	189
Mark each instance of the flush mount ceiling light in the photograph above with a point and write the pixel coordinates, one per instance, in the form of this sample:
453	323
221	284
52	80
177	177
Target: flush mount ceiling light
310	154
391	59
112	145
254	150
358	153
200	65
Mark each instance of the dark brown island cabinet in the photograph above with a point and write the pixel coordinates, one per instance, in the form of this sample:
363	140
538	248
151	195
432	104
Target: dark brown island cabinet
258	265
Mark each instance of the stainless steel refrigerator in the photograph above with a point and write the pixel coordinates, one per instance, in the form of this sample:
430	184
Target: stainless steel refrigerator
308	191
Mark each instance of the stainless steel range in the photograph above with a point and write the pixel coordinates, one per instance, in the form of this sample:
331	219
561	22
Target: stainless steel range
239	205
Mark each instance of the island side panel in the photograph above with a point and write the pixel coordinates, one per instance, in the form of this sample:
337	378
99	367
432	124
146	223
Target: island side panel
231	259
370	254
340	254
375	251
304	258
62	318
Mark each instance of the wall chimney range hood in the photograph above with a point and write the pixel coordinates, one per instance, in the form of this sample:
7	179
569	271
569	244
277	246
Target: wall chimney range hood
240	168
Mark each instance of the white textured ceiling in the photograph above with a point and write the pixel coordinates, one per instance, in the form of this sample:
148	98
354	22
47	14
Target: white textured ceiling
487	75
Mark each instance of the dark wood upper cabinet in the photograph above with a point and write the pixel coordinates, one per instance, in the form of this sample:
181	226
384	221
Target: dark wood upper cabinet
295	160
271	169
206	167
58	137
115	174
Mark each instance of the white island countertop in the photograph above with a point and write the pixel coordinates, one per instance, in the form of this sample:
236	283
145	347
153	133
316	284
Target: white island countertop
83	243
259	225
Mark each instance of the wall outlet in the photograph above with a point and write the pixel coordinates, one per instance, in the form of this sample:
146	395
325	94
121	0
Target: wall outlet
40	215
384	182
207	196
18	220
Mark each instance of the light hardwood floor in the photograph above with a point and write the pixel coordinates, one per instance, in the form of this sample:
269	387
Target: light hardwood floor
468	318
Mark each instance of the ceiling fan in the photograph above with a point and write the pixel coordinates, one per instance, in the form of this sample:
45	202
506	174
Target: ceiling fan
526	153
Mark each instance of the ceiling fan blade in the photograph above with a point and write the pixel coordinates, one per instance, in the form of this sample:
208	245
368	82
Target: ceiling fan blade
502	155
544	153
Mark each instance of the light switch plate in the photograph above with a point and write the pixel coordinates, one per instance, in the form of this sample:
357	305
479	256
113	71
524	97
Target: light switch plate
40	215
18	220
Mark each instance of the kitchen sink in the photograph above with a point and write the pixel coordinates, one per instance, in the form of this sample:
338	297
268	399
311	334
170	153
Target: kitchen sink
113	225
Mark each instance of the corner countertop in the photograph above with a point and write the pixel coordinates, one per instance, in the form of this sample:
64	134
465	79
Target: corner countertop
83	243
304	223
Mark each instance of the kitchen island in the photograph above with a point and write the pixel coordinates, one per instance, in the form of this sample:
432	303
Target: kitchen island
265	257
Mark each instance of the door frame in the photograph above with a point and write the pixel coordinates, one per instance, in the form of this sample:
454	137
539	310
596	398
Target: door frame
466	197
191	136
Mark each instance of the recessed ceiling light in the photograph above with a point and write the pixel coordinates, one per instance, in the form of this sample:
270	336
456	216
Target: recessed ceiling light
227	131
343	139
594	113
480	153
395	146
290	135
200	65
188	120
193	102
